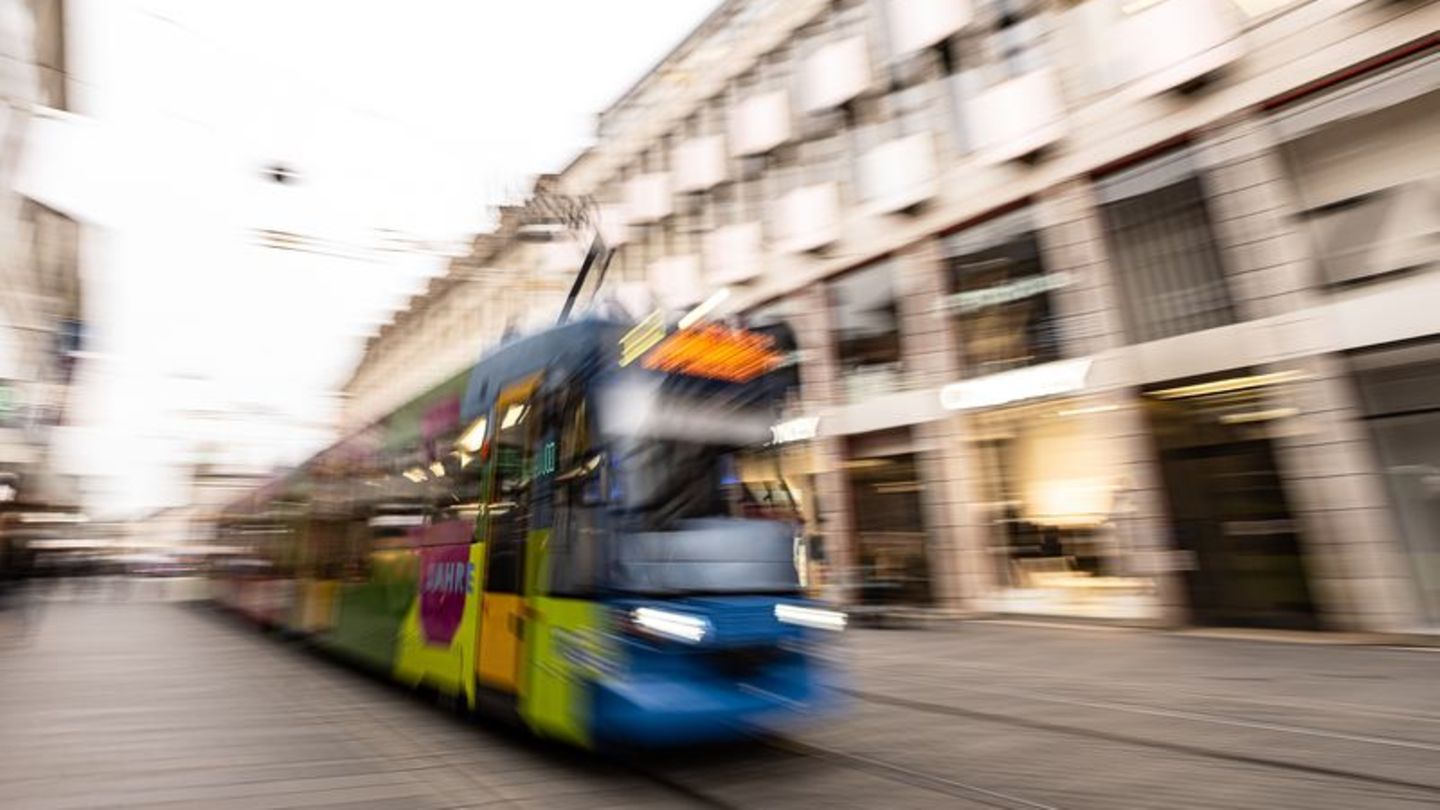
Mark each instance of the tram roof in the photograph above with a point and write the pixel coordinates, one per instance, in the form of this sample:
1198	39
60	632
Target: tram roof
567	348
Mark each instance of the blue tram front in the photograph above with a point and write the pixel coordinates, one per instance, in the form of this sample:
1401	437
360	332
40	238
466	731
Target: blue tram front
642	519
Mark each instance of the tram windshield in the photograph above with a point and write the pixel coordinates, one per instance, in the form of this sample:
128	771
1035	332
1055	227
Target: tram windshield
698	514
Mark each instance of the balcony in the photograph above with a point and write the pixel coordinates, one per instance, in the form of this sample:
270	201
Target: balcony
676	281
699	163
1017	117
835	74
899	175
733	254
648	199
917	24
809	218
760	123
1172	44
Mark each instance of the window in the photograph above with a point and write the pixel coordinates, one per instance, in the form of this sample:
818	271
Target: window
510	500
1368	180
775	312
1000	296
866	319
1158	228
574	544
1017	44
1007	40
891	536
1400	394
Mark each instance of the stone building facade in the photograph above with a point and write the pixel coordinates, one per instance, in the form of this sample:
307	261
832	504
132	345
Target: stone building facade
41	318
1108	310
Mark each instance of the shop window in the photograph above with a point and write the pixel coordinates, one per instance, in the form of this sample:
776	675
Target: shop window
1052	492
1000	296
1366	180
1161	239
866	319
1400	393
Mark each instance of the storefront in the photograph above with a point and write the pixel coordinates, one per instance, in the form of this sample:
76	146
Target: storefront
892	539
1052	495
1229	512
1049	490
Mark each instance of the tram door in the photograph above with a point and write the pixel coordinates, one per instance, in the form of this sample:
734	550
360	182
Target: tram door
508	512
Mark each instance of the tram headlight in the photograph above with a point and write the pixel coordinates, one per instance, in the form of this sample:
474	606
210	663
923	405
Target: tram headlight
670	624
816	618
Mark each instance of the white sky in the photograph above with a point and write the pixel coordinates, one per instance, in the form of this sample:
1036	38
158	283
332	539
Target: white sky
414	115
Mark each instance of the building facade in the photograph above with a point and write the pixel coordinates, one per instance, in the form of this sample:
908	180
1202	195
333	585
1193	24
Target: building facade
507	282
41	320
1110	310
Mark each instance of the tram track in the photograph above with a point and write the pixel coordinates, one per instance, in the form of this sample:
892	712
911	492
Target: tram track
1270	701
943	709
910	776
882	769
705	785
1217	719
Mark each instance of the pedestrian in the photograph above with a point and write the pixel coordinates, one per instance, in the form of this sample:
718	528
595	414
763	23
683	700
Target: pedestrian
17	569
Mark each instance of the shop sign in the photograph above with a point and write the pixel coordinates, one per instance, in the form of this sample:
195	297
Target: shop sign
1017	290
795	430
1048	380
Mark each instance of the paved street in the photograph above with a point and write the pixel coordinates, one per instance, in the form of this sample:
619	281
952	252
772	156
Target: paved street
117	699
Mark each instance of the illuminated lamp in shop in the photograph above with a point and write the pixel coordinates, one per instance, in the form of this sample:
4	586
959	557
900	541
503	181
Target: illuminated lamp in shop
1048	380
1266	415
715	352
1229	385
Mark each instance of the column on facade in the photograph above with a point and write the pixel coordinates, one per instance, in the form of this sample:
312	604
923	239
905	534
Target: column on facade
1265	253
1352	550
1072	240
960	563
820	386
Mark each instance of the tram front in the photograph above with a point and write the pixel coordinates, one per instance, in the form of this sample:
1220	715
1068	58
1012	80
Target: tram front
703	565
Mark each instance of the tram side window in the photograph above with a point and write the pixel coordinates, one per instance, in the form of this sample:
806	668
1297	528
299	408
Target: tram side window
509	507
459	485
573	543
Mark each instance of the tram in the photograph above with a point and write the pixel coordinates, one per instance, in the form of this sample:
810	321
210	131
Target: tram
572	534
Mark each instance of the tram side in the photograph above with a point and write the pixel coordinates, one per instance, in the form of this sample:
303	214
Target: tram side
520	539
338	547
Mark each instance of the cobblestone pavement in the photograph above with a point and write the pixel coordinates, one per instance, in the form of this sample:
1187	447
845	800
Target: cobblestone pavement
121	702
